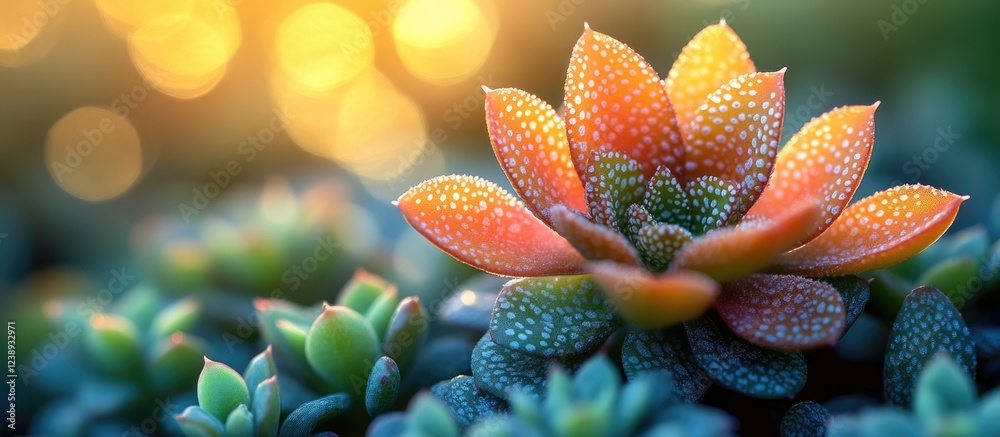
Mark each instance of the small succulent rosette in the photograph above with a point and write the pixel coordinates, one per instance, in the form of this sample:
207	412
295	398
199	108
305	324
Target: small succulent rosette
665	206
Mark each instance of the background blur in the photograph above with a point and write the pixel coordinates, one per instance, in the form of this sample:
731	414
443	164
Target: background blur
131	131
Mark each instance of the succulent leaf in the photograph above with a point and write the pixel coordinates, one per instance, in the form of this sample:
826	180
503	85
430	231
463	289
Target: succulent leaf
950	276
665	350
114	343
221	390
406	333
926	324
240	422
180	316
482	225
658	243
742	367
341	347
854	292
616	101
805	419
267	407
466	401
782	312
196	422
665	198
552	316
430	417
362	291
942	390
498	369
654	302
529	140
173	361
594	241
383	386
380	312
712	202
304	419
612	183
260	368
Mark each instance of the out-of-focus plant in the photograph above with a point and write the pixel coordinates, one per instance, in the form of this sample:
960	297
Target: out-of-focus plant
593	402
230	404
944	404
652	201
297	244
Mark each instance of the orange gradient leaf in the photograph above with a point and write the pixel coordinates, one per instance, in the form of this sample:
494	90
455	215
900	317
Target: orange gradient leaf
592	240
484	226
824	160
715	56
654	302
783	312
732	253
735	133
529	140
876	232
616	101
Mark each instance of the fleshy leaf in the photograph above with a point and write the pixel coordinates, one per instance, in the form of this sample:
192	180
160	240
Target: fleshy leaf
742	367
221	389
302	421
612	183
658	243
383	386
731	253
171	363
594	241
260	368
805	419
782	312
666	199
666	350
876	232
240	422
113	342
926	324
735	134
361	292
406	333
655	301
552	316
180	316
498	369
638	217
466	401
854	292
825	160
715	56
942	390
430	417
615	101
712	201
267	407
529	140
482	225
341	347
197	422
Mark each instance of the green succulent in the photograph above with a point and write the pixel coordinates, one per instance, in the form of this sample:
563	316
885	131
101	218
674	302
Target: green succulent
592	402
230	404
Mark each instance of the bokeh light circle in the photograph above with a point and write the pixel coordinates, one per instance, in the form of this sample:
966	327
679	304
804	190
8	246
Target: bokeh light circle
181	55
323	45
443	41
93	154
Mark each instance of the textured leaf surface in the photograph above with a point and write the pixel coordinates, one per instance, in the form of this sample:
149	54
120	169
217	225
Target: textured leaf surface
654	302
645	351
712	202
926	324
659	243
592	240
612	183
383	386
731	253
854	291
782	312
825	160
877	232
196	421
482	225
735	134
302	421
665	198
549	316
467	402
221	389
529	139
615	101
742	367
341	347
805	419
498	369
715	56
406	333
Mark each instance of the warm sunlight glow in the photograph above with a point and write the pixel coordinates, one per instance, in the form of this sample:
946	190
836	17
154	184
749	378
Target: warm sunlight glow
442	41
181	55
93	154
323	45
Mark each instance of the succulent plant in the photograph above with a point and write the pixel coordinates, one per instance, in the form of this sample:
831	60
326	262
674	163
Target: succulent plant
593	402
658	200
230	404
944	404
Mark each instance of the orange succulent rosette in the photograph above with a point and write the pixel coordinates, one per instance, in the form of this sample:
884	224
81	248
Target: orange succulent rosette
674	189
